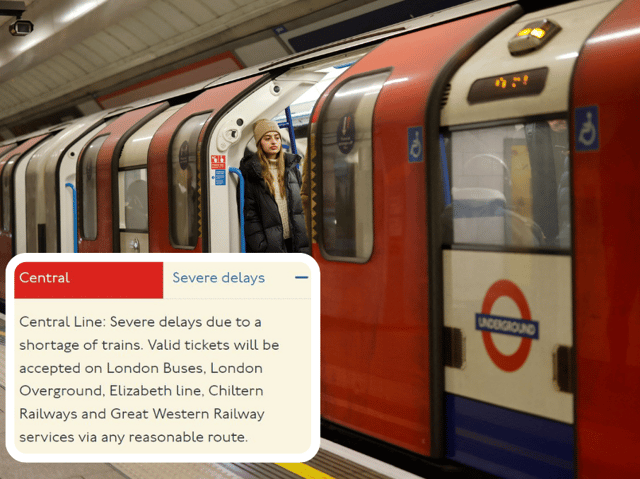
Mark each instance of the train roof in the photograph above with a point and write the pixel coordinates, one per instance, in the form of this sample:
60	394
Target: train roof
347	45
363	40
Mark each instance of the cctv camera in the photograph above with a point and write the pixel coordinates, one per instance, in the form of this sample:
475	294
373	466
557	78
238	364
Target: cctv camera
20	28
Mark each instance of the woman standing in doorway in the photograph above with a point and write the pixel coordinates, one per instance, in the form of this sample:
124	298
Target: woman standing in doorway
274	219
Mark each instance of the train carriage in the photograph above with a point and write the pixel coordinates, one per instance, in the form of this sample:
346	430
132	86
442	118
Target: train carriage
471	204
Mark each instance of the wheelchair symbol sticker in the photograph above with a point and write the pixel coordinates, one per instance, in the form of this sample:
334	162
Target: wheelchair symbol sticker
587	132
415	147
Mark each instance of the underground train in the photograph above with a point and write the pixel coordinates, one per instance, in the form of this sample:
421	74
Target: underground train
471	181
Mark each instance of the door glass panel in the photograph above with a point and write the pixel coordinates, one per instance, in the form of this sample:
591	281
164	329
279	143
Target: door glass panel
509	186
136	210
88	185
347	169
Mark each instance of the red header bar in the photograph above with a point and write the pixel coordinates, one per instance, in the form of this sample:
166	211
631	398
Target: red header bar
91	280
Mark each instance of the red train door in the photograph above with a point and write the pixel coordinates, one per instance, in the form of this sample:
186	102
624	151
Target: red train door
606	175
369	235
133	182
5	208
97	174
8	231
181	212
502	252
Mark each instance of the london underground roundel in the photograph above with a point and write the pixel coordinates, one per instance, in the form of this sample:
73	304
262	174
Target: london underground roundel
525	328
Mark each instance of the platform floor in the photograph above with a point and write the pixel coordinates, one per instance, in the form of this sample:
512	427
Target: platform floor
12	469
332	462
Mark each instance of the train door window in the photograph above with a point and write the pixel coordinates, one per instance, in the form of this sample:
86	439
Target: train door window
88	184
7	192
134	215
509	185
302	107
347	169
184	190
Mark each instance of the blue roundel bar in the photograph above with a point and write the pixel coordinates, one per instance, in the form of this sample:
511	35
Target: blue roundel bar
512	326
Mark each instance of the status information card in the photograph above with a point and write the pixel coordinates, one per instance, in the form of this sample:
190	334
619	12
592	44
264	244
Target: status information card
163	358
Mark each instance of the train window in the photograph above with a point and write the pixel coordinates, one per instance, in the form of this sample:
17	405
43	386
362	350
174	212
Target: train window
183	197
509	185
88	183
7	192
135	210
347	169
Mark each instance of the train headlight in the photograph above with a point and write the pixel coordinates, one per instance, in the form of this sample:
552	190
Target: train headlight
533	36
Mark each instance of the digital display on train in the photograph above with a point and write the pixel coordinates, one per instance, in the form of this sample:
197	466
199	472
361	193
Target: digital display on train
529	82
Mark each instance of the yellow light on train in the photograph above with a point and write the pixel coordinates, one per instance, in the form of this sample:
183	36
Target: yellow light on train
538	32
533	36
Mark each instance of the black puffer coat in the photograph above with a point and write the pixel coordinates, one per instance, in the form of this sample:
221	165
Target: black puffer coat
263	224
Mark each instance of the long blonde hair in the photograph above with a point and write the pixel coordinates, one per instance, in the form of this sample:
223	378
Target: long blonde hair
266	172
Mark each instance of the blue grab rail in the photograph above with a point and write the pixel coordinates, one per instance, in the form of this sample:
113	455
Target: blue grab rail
243	246
289	126
292	135
75	216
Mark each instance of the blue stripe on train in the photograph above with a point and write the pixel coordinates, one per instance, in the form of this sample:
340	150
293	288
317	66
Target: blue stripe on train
505	442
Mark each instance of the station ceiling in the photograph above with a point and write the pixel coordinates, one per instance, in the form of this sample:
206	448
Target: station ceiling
80	49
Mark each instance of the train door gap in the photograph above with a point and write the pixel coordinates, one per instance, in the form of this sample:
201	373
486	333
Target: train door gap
42	238
288	99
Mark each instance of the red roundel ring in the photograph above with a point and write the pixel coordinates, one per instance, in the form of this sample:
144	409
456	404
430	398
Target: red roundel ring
500	288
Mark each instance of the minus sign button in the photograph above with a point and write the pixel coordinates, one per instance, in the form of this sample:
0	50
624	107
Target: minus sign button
302	277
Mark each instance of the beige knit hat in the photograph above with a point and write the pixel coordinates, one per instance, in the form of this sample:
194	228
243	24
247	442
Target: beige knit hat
262	127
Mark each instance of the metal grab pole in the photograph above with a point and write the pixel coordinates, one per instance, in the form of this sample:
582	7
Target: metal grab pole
243	246
75	216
